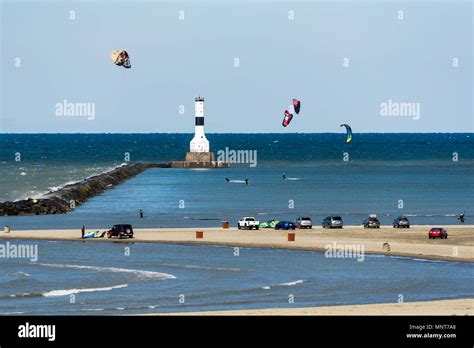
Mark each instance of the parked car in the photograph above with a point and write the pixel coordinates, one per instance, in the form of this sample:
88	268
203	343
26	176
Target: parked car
437	232
120	231
371	222
332	222
248	223
303	222
285	225
401	222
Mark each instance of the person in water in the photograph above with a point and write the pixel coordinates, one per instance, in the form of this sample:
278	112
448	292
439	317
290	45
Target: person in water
141	213
461	218
83	231
237	181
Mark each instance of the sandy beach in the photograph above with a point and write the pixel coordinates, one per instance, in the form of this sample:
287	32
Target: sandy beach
443	307
411	242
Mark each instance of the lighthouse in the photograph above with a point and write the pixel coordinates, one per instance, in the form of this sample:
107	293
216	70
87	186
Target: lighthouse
199	143
199	154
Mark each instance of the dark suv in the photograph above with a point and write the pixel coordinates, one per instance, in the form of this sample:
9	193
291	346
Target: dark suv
120	231
401	222
371	222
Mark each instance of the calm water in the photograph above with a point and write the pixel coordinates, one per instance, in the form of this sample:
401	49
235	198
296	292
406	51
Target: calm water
154	277
382	170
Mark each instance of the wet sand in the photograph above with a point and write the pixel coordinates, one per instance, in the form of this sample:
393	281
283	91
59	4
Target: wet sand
411	242
443	307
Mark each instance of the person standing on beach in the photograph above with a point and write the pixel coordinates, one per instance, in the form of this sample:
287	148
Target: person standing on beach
141	214
83	230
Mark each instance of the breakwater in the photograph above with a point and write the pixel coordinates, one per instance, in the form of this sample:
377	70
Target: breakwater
70	196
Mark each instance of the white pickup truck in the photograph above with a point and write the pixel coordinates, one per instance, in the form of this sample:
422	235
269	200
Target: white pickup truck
248	223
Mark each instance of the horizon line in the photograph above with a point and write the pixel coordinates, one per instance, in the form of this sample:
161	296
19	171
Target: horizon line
216	133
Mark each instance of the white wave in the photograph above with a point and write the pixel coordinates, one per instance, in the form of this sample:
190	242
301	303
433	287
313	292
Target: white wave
25	294
139	273
23	274
59	187
202	267
300	281
296	282
22	173
55	293
92	309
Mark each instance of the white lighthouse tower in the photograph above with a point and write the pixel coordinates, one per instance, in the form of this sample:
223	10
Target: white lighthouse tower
199	143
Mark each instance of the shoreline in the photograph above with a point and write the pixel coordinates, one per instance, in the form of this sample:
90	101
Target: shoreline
463	306
411	243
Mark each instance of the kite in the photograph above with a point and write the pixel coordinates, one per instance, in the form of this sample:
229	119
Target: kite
296	106
121	58
287	119
348	132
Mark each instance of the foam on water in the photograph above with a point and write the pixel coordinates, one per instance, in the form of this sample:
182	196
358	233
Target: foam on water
296	282
139	273
56	293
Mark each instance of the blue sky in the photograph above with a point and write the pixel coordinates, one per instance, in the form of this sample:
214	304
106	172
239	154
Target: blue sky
174	60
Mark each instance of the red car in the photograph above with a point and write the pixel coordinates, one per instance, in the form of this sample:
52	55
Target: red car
437	232
120	231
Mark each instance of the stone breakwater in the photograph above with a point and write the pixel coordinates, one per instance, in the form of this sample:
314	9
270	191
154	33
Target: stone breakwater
70	196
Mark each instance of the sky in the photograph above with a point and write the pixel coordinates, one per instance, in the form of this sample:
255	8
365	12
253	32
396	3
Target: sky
342	59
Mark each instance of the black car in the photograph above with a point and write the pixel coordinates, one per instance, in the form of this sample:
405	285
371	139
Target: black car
401	222
120	231
371	222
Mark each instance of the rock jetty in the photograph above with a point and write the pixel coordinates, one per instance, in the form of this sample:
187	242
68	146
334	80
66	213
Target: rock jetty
73	195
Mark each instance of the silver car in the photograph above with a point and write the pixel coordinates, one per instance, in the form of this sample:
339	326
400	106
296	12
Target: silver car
332	222
303	222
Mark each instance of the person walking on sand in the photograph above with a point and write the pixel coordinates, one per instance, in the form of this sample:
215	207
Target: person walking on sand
141	214
83	230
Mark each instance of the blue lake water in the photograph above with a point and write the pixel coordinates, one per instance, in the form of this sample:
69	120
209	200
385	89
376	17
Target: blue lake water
99	278
383	170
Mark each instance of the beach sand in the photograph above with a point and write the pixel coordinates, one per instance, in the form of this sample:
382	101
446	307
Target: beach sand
443	307
412	242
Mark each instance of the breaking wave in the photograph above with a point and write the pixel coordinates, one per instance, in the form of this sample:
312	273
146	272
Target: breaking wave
137	272
296	282
56	293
